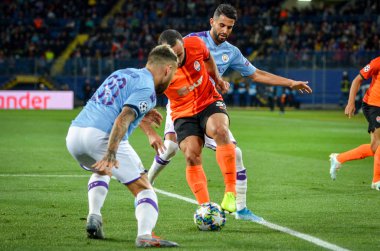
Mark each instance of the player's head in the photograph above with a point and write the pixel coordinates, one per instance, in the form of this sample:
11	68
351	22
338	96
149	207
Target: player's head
163	63
174	39
222	22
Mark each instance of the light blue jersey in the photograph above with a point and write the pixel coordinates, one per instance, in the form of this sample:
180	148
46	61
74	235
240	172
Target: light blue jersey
226	55
128	87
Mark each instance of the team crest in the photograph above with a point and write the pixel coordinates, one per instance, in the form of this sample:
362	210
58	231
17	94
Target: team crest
225	58
378	119
366	68
197	65
143	106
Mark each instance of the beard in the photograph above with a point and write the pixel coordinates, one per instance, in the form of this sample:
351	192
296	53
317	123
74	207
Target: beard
218	38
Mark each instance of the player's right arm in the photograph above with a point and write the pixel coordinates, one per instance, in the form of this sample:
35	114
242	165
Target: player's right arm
212	70
118	131
350	107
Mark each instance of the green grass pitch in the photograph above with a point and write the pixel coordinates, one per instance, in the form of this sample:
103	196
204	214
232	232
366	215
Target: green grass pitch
286	157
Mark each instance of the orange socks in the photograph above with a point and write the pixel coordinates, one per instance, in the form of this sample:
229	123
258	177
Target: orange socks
376	166
226	158
361	152
196	178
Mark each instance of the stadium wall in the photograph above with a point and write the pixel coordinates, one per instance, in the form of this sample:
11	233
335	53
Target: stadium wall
324	82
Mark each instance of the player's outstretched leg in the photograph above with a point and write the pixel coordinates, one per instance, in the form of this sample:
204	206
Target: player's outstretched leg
337	159
162	160
334	165
242	212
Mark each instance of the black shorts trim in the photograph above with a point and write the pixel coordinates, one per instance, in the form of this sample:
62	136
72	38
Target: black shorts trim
372	114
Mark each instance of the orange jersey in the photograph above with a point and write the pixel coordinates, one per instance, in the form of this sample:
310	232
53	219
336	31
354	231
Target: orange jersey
372	70
191	89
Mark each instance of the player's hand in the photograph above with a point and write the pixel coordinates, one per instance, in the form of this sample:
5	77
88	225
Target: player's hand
222	85
349	110
153	117
156	142
104	166
301	86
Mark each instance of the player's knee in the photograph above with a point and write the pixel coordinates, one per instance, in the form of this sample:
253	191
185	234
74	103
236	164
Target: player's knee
374	145
102	177
193	158
139	185
171	148
221	135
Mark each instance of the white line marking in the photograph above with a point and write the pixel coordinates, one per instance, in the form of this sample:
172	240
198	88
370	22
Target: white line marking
268	224
176	196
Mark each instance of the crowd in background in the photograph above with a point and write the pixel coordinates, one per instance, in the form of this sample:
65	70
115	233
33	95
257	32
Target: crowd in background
36	28
265	30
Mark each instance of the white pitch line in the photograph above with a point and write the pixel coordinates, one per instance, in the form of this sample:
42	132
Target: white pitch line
268	224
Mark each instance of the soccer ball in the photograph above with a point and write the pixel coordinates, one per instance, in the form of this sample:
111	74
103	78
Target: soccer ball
209	217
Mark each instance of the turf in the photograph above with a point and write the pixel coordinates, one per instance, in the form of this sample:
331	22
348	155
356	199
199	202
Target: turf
286	157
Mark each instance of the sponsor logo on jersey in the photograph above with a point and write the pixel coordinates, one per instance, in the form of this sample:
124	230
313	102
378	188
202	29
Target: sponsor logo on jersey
221	105
143	106
246	63
366	68
225	58
197	65
187	89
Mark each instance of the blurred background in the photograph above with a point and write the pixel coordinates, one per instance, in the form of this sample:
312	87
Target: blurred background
75	44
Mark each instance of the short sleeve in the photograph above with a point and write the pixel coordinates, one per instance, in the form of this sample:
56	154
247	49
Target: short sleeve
140	101
241	64
370	69
205	50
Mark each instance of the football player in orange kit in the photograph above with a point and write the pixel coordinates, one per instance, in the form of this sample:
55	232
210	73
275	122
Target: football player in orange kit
371	110
198	109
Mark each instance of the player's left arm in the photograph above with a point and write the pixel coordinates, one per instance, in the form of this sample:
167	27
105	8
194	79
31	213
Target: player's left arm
212	70
153	119
349	111
264	77
118	131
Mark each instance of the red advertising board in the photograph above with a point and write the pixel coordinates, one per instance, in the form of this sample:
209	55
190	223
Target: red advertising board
37	100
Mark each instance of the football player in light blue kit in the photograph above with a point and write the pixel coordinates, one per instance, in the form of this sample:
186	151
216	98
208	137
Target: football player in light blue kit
226	56
98	140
